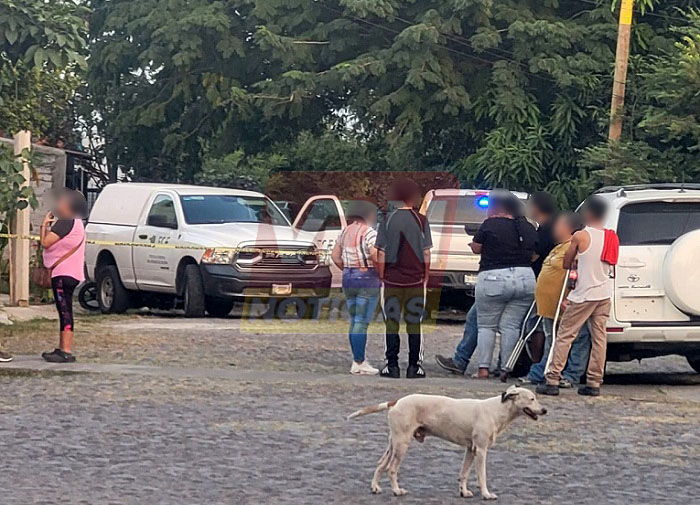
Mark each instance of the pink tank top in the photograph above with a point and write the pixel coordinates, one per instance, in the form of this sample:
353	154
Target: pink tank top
73	266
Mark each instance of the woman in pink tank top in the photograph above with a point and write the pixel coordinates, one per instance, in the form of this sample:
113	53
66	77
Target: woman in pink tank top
63	240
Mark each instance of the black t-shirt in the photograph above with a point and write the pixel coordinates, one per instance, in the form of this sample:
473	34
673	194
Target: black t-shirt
545	244
63	227
403	237
501	247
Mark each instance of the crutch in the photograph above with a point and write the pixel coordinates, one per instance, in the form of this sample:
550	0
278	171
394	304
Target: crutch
556	321
522	340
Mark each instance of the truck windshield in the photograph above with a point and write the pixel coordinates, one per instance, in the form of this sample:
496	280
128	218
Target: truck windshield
217	209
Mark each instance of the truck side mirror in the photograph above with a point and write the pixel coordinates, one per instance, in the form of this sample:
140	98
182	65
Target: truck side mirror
161	221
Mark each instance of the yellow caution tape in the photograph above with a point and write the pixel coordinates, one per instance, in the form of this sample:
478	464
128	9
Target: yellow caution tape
254	250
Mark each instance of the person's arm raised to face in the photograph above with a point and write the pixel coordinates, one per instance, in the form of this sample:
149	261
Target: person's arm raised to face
48	238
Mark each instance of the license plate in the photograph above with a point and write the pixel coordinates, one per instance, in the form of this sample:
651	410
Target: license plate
282	289
470	278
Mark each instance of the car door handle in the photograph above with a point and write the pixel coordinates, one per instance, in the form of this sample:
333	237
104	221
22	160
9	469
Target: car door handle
144	237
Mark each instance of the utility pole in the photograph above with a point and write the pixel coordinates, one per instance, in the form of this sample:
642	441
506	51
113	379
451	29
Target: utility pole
20	250
621	59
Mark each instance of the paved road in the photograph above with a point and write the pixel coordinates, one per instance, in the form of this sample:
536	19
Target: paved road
162	410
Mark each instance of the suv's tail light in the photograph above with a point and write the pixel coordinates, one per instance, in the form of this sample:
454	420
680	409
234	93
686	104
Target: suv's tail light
614	329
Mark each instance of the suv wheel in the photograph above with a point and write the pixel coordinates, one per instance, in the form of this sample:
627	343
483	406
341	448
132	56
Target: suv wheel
218	307
112	296
694	362
193	292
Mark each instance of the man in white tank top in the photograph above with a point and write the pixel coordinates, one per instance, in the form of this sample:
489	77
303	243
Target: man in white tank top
588	301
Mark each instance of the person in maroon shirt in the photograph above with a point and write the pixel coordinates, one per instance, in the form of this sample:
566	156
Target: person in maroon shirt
403	244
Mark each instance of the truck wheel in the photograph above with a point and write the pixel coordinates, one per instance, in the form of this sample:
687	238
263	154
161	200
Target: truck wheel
112	296
218	307
193	292
694	362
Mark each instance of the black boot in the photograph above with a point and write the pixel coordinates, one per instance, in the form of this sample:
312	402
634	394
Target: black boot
589	391
547	389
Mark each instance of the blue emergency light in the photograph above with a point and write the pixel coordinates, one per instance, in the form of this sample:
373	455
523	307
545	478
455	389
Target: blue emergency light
482	202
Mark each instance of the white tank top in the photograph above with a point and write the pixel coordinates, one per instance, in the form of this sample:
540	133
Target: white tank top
593	274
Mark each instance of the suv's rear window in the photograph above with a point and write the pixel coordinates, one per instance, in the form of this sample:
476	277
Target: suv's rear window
655	223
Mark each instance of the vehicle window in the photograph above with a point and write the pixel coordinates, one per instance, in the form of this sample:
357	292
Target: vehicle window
321	215
218	209
162	212
461	210
653	223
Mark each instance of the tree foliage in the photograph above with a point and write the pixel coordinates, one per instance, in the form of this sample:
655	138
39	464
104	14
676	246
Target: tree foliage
508	92
42	44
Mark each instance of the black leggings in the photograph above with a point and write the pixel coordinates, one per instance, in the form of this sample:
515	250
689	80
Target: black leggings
63	287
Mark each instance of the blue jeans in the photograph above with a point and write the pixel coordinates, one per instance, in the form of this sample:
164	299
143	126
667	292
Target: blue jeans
503	297
578	356
361	289
467	345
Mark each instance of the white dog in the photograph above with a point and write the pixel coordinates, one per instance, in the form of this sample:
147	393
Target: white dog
473	424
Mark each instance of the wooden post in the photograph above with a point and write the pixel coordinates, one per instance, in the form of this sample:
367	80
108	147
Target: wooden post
20	248
620	79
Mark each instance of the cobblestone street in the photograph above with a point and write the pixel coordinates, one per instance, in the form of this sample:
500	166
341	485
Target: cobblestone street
164	410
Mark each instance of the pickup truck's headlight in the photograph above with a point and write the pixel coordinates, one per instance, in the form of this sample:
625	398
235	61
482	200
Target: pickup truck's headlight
324	257
220	257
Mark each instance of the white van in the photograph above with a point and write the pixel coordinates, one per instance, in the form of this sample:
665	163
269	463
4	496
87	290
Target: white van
161	244
656	303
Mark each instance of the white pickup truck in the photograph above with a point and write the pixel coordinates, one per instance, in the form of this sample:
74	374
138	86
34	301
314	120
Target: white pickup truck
270	258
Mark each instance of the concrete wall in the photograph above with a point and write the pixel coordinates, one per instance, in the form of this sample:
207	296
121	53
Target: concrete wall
50	165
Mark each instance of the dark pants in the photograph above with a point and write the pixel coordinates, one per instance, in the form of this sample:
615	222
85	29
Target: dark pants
407	303
63	287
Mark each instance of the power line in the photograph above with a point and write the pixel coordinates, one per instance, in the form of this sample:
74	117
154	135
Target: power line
445	47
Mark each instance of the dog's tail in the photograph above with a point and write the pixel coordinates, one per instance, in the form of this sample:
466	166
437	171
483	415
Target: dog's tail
372	409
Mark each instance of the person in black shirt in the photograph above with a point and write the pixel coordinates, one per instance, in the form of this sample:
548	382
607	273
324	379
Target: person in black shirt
403	264
542	208
505	285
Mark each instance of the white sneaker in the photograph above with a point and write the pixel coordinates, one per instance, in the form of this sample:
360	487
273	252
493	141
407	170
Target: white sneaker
363	368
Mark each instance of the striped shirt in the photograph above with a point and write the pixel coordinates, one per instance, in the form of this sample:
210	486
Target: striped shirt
356	242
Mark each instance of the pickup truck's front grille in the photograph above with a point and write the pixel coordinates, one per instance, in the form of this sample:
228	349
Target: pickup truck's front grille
268	259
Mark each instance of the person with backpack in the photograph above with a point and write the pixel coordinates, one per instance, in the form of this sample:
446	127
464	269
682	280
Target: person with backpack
404	242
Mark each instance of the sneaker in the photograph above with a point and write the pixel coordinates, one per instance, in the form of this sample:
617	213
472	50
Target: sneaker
589	391
58	356
5	357
449	365
363	368
391	370
565	384
415	372
547	389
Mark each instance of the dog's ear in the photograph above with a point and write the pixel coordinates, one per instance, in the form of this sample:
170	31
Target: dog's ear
509	393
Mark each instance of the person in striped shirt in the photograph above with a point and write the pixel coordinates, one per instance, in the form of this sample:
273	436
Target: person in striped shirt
356	255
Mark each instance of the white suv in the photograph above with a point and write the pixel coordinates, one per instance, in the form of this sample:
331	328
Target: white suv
656	302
